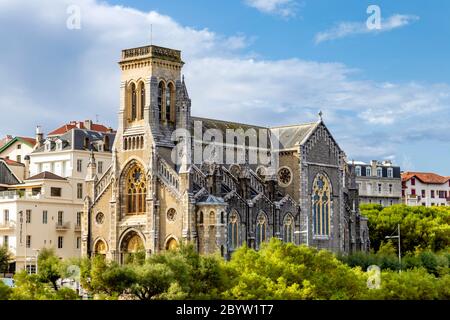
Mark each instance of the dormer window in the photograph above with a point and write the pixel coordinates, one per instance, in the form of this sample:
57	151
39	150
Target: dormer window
368	171
48	145
358	171
86	143
106	143
379	172
59	145
390	173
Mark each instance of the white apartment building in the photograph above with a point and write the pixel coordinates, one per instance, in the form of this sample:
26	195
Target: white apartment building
379	182
425	189
41	212
52	199
67	155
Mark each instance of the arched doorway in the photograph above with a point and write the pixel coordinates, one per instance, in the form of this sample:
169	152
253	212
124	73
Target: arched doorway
171	244
132	249
100	248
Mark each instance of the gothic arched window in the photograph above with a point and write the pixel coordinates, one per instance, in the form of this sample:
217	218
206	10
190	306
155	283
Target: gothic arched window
170	112
136	191
321	205
161	93
142	91
261	229
133	102
288	228
233	230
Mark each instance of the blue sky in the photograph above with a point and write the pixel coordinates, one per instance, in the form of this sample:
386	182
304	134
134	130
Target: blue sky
384	94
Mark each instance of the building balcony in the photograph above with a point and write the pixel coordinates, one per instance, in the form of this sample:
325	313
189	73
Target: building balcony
62	226
19	195
7	226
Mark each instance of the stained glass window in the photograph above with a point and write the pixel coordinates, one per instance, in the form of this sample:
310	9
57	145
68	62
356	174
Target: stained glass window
136	191
288	228
261	229
233	230
321	205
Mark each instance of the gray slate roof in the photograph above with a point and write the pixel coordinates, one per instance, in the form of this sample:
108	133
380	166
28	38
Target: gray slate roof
289	136
75	139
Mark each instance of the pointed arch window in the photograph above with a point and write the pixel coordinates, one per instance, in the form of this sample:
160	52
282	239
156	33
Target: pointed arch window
261	229
288	228
170	112
142	92
133	102
136	191
161	93
233	230
321	207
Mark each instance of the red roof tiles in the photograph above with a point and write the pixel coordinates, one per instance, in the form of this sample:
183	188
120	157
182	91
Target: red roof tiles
30	141
425	177
78	124
10	162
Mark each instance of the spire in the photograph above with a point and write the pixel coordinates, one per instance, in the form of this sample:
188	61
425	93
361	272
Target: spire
320	114
92	157
92	167
184	91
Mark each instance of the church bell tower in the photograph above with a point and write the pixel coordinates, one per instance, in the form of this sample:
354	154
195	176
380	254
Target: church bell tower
153	94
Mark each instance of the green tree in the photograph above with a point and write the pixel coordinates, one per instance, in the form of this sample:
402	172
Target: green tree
286	271
421	227
151	281
5	291
29	287
198	276
5	257
415	284
49	267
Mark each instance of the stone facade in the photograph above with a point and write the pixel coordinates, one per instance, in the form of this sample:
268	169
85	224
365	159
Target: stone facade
147	200
378	182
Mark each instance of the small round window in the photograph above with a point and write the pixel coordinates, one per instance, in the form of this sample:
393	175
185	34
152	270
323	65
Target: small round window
284	176
100	218
171	214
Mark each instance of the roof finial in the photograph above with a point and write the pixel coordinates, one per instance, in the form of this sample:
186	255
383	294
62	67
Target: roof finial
183	78
320	116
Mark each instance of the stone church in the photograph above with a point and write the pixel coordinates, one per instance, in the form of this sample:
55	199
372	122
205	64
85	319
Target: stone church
157	194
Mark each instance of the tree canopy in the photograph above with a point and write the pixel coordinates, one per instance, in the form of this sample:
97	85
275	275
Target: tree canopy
421	227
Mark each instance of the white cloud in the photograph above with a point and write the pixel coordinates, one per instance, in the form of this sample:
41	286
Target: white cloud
345	29
284	8
55	75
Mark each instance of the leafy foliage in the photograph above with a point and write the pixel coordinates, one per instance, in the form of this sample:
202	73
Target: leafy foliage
286	271
421	227
49	267
5	257
5	291
178	274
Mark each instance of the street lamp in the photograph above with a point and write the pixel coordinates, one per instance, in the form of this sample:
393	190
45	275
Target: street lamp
399	249
37	255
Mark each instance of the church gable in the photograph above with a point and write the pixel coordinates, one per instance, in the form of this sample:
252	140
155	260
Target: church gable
320	147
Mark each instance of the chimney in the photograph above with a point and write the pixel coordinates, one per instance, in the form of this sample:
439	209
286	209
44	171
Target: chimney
39	136
88	124
26	174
